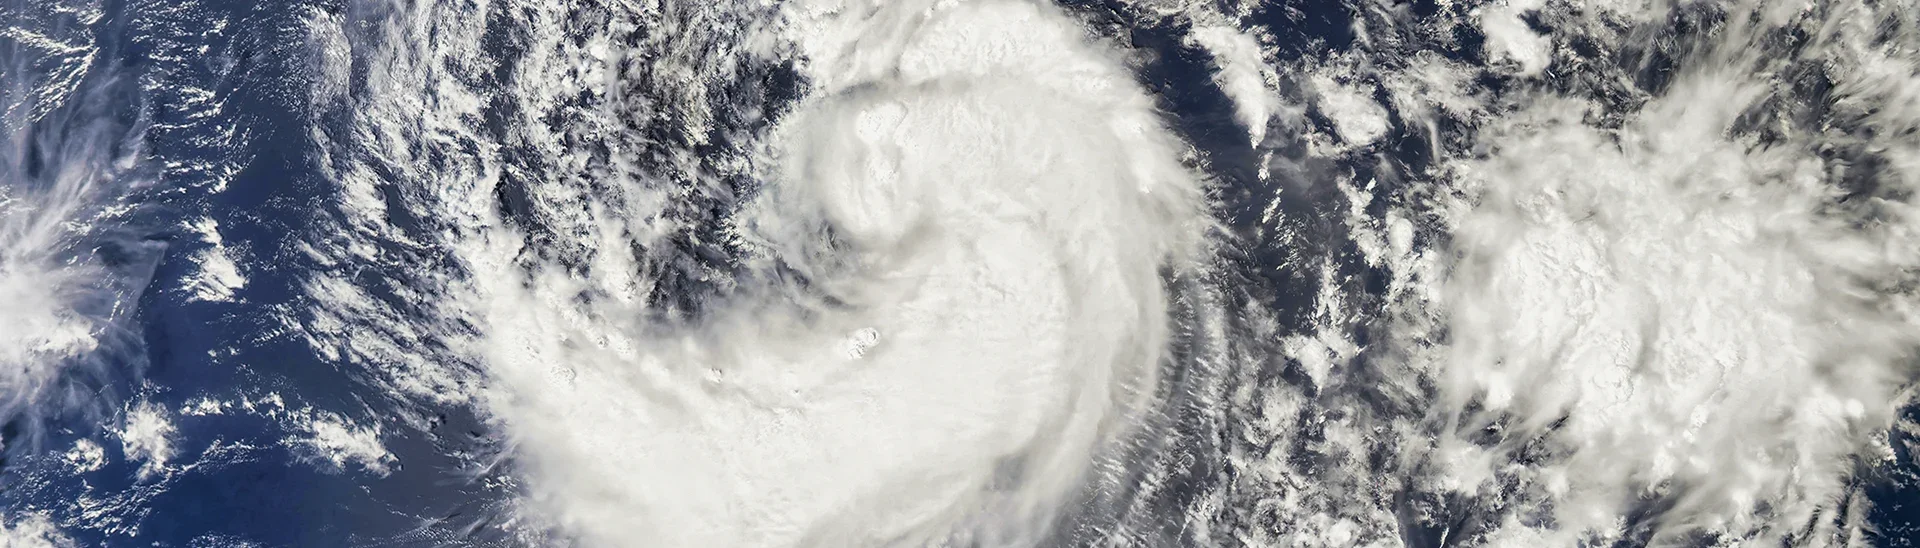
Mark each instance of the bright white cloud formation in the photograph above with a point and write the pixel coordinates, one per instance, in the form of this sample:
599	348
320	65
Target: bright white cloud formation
1000	200
1696	307
982	204
147	437
1653	311
1241	72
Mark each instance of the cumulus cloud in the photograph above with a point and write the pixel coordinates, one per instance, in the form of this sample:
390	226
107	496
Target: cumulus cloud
32	531
1674	310
218	276
333	440
1240	69
147	437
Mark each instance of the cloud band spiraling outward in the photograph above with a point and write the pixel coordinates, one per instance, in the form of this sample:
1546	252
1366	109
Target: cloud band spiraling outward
986	199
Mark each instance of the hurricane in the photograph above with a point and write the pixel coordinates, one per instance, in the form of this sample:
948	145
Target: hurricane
959	273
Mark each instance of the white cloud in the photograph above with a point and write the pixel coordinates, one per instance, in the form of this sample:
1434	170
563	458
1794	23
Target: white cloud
333	440
1510	39
85	456
1007	199
1241	71
146	436
32	531
1357	118
218	276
